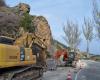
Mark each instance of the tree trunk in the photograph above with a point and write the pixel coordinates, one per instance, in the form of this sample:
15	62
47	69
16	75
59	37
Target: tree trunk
88	46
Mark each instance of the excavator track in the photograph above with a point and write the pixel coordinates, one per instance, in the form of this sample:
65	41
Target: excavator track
26	73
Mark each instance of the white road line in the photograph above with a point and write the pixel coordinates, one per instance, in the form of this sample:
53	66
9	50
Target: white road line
78	74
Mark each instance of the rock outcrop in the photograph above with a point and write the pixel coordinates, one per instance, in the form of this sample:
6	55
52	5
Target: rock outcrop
42	29
10	18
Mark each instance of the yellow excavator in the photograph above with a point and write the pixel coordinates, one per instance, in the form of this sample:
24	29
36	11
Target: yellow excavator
23	58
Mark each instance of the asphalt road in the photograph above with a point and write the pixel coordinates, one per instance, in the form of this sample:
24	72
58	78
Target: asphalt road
60	74
91	72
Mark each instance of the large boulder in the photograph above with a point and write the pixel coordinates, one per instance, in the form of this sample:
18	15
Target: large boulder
42	29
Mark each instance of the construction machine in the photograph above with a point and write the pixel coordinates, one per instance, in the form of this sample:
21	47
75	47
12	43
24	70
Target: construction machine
71	58
64	57
24	57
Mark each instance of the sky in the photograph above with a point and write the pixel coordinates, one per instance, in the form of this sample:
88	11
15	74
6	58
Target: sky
57	12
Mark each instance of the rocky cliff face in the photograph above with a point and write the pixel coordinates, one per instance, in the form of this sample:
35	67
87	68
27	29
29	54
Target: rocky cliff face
10	20
9	24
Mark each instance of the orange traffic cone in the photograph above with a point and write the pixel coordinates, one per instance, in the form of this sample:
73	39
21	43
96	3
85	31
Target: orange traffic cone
80	67
69	77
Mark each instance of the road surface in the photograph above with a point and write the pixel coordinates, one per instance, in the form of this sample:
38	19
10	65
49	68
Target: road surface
91	72
60	74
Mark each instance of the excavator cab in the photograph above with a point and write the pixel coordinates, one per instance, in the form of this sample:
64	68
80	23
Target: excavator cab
12	55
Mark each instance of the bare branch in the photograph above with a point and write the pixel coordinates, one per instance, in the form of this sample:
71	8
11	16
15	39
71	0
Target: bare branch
96	15
88	29
72	34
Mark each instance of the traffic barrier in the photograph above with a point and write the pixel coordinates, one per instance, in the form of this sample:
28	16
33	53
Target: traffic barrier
69	77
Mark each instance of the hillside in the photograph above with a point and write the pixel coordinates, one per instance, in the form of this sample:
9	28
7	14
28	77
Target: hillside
59	45
55	46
